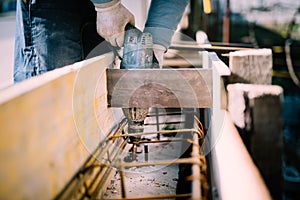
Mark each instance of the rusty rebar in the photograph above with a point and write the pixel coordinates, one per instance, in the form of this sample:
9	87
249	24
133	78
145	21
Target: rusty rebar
164	132
170	196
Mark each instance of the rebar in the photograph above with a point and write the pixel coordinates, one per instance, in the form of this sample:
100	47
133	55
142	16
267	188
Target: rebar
108	158
164	132
171	196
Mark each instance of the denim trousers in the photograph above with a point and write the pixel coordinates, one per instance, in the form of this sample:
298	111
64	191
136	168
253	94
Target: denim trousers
51	34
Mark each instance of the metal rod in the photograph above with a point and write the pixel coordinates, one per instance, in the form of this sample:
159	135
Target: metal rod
163	141
162	162
194	47
171	196
134	151
160	141
83	176
157	123
108	170
122	178
146	151
196	173
151	124
101	151
163	114
154	132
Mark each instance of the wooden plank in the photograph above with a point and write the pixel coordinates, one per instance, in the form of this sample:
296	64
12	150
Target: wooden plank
168	88
215	116
234	171
49	125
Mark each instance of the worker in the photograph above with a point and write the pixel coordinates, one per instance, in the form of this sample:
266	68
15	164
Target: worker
54	33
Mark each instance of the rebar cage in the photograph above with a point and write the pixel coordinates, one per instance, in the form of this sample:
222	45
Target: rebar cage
165	163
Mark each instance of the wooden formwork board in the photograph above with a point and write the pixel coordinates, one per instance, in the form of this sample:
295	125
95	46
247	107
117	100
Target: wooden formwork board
167	88
49	125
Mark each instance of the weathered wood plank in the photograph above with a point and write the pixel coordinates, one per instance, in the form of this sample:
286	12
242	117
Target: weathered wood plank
49	125
168	88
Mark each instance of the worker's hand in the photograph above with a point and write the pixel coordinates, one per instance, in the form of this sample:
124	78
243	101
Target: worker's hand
159	52
112	17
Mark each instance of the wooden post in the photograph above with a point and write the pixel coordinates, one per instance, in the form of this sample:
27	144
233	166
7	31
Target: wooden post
251	66
226	23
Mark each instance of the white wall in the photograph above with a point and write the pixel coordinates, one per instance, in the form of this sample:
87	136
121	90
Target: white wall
7	41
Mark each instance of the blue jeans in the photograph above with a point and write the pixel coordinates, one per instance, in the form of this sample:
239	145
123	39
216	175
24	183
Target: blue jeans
51	34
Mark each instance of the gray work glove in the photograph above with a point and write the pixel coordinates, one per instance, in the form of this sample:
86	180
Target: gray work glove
112	17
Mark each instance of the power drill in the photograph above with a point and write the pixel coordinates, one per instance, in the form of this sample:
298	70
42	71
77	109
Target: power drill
138	50
137	54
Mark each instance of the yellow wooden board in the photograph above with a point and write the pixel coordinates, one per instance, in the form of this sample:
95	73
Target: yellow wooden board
49	125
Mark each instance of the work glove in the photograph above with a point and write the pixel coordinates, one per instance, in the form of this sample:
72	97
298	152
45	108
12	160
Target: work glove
112	17
159	52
